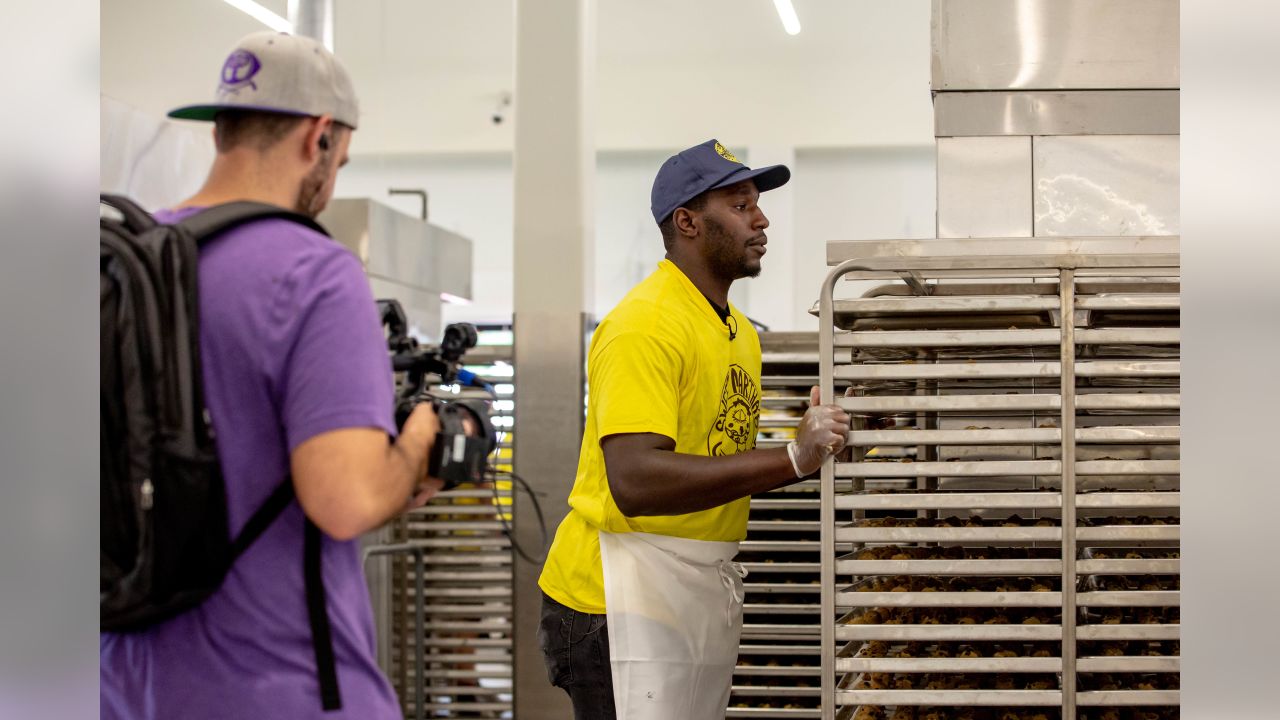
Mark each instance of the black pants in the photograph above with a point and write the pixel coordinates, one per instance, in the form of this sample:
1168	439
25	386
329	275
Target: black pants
576	648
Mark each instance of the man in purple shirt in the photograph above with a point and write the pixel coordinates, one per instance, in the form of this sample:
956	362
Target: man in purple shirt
297	380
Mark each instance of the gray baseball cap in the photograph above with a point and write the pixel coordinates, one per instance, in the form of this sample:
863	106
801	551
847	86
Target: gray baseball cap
280	73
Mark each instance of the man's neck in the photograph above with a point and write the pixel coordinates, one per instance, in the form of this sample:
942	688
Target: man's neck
239	179
715	289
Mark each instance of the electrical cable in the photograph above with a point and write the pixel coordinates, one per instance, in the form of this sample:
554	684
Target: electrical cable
492	473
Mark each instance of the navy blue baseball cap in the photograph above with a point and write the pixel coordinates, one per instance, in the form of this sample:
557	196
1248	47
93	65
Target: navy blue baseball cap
704	167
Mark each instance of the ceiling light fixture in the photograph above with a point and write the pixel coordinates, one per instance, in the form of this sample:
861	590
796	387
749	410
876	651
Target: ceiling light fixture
787	14
262	15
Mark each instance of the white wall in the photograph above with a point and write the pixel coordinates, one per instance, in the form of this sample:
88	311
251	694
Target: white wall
628	245
857	194
836	195
429	73
471	194
149	158
669	73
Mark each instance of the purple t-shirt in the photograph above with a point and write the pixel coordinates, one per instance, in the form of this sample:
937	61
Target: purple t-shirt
292	347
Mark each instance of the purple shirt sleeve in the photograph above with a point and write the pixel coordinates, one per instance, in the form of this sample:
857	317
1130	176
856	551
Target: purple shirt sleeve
336	372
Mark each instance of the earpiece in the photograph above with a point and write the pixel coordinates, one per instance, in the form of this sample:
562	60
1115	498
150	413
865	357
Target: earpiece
324	142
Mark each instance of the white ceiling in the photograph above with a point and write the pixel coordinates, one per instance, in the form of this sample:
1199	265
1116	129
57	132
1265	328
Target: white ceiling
669	72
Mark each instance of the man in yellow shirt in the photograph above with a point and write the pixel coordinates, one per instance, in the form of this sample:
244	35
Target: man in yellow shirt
642	605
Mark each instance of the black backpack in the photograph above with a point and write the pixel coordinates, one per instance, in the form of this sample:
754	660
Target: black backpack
165	545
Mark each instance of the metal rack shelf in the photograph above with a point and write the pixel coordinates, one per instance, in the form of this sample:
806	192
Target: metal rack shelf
939	633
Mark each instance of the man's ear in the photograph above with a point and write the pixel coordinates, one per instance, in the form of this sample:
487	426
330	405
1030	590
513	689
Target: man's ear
686	222
317	128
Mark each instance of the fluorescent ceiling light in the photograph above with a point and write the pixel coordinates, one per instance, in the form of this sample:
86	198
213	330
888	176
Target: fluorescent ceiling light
265	16
786	13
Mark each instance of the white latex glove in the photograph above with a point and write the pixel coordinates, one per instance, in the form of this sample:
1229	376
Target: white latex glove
822	432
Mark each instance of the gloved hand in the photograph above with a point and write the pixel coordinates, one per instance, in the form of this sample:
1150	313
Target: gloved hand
821	432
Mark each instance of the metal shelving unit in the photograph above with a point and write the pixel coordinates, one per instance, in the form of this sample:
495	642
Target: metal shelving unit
448	617
778	661
1001	538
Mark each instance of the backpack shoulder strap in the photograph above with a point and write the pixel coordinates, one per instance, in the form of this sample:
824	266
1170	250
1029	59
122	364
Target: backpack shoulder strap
135	218
263	517
220	218
317	609
318	615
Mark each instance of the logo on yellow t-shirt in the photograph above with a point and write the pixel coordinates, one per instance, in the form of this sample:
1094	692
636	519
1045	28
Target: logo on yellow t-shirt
734	430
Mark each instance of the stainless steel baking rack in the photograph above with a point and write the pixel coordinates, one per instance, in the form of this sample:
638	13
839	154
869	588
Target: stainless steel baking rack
1001	537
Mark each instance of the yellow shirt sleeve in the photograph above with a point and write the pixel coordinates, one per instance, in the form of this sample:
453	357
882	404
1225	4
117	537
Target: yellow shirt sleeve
635	385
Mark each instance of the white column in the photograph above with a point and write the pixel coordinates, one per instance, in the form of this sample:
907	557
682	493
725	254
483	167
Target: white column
771	297
554	169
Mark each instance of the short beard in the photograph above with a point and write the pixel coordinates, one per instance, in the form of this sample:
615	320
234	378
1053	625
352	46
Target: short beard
308	202
726	256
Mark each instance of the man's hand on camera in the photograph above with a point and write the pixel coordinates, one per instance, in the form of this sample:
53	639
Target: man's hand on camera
426	490
822	432
419	432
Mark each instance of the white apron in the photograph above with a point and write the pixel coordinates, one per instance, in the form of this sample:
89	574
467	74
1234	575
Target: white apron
674	610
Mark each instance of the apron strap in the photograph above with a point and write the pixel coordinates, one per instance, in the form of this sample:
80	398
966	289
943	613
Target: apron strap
731	575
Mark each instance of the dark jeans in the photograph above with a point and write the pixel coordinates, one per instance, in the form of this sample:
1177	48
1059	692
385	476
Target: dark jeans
575	646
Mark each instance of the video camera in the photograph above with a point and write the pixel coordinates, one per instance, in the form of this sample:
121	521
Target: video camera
466	438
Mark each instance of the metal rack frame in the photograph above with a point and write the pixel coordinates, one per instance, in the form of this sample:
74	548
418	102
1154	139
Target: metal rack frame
1135	263
777	672
446	623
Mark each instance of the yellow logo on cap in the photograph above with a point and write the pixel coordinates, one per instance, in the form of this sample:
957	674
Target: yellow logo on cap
722	152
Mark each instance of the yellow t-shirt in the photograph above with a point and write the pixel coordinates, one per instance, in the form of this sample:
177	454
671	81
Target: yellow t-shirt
660	362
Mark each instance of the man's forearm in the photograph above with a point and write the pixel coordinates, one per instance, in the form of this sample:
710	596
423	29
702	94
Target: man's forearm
647	477
664	482
403	469
352	480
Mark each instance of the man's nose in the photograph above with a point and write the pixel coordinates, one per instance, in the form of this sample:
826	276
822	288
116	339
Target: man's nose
761	221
